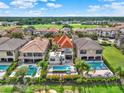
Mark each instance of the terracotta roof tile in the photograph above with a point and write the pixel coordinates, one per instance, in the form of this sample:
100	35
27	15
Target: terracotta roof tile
36	45
63	42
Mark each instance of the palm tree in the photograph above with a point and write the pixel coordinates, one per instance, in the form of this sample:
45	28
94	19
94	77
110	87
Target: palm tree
43	64
81	66
20	73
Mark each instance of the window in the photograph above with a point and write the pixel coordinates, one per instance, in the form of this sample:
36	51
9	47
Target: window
98	51
67	50
9	53
52	59
29	54
38	54
83	52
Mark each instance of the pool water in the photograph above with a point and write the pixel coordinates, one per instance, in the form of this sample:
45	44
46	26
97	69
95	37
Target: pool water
4	67
31	70
97	65
61	68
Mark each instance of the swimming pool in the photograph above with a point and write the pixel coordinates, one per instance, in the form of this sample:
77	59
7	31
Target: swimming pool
31	70
97	65
61	68
4	67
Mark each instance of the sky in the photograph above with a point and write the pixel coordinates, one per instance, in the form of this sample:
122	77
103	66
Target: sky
60	8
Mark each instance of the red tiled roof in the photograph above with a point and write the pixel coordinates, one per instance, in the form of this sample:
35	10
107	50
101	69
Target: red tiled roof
63	41
56	38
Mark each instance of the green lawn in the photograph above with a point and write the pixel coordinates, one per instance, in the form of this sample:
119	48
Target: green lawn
96	89
38	26
6	89
83	26
114	57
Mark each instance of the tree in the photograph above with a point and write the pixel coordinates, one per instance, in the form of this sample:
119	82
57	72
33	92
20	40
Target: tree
20	73
81	66
29	29
17	35
43	64
79	80
122	48
54	47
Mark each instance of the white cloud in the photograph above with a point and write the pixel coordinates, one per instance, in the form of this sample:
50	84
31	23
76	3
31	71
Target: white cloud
24	3
115	8
53	5
93	8
3	5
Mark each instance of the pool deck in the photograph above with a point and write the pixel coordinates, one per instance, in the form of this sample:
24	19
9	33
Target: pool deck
2	73
98	73
36	75
5	63
73	71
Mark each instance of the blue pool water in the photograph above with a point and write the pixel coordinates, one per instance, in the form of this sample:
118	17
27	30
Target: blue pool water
31	70
61	68
4	67
97	65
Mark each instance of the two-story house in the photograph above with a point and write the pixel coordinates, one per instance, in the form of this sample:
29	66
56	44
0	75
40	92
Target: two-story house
64	52
34	50
87	49
65	46
9	51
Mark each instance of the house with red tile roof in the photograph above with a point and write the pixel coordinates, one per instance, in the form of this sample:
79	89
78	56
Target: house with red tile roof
34	50
65	49
63	41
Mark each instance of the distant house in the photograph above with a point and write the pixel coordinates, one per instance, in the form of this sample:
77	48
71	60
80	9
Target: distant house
5	23
104	32
42	31
34	50
87	49
53	31
9	51
65	30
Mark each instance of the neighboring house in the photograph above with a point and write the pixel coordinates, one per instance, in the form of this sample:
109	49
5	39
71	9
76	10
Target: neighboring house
88	49
101	32
120	40
3	33
65	46
9	51
53	31
42	31
104	32
34	50
3	40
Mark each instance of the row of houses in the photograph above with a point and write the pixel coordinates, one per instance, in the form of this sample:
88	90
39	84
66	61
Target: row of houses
35	50
5	23
24	50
